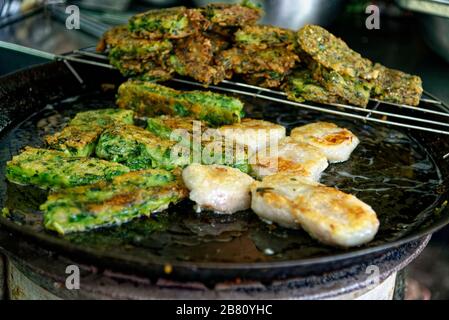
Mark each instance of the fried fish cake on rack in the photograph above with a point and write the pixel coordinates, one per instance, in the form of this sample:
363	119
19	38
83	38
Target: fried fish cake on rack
150	99
147	70
193	57
301	86
326	214
232	15
270	65
136	57
218	188
336	143
333	53
122	45
168	23
355	91
265	36
396	86
289	156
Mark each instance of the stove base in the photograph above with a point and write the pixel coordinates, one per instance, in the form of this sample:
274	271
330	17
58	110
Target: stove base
34	273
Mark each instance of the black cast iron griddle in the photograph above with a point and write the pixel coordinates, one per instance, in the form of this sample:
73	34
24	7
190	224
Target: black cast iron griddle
401	174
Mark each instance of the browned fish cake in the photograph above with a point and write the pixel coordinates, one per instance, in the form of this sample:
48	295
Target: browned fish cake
193	57
232	15
264	36
266	67
301	86
397	86
333	53
168	23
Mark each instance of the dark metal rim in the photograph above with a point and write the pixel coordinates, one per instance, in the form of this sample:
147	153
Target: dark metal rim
60	244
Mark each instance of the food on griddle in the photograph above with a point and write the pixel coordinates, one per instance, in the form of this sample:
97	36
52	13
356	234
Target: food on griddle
232	15
207	145
194	57
80	136
54	169
125	198
77	141
254	134
289	156
301	86
335	143
103	117
396	86
326	214
138	148
151	99
264	36
169	23
218	188
176	128
267	67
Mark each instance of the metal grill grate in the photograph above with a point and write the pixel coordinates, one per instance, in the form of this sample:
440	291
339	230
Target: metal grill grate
431	115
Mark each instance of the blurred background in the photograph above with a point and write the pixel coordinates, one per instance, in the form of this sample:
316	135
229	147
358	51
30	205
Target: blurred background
413	37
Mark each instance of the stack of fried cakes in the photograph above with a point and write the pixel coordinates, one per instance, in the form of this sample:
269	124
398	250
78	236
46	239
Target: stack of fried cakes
222	41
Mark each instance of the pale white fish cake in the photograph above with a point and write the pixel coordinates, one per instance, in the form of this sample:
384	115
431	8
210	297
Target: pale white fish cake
289	156
218	188
255	134
326	214
336	143
269	205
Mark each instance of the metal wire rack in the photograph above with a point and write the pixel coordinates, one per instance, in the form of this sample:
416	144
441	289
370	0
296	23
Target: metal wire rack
432	115
404	115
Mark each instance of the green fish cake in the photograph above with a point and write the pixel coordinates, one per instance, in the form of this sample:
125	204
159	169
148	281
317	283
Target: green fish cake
302	87
168	23
50	169
333	53
233	15
194	57
164	126
125	198
103	117
122	45
264	36
397	87
356	91
80	136
209	144
152	99
138	149
78	141
266	67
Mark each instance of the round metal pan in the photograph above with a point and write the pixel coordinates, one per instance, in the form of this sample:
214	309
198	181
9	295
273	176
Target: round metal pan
400	173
